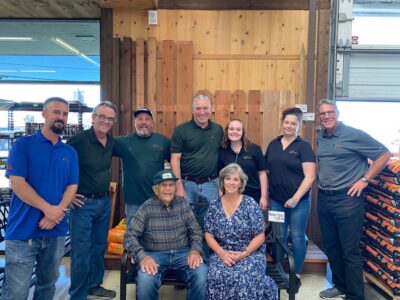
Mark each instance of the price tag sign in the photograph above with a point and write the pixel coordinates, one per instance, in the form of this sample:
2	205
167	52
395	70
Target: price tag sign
303	107
309	117
276	216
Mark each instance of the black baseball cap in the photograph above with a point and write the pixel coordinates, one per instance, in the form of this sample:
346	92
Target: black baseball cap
164	175
143	110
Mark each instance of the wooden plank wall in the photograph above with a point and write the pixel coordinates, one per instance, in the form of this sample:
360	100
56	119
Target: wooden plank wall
169	80
164	71
246	50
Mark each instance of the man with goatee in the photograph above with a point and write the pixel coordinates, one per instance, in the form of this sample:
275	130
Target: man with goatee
43	173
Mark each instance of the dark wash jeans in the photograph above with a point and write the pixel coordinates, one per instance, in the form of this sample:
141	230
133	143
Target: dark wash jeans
341	220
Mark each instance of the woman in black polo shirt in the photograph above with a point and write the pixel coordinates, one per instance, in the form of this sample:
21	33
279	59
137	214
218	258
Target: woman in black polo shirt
237	148
291	172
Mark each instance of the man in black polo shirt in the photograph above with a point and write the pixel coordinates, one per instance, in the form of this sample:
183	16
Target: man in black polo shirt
194	156
90	214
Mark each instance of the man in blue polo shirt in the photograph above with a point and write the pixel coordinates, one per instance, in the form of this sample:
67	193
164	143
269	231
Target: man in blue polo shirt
43	173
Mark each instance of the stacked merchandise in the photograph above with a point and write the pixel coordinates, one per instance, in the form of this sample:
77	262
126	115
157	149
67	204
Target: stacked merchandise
116	238
381	239
5	194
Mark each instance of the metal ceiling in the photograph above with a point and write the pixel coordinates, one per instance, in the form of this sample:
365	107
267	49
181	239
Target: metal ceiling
84	35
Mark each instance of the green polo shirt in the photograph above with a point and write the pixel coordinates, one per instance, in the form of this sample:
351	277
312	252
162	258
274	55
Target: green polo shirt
142	158
94	161
199	148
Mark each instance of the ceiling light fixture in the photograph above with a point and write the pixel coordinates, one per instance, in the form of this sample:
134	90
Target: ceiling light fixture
15	38
38	71
72	49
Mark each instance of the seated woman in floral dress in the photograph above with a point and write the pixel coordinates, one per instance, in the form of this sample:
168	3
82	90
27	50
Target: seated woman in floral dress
234	228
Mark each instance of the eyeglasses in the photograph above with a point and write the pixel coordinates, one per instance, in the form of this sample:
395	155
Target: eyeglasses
327	113
104	118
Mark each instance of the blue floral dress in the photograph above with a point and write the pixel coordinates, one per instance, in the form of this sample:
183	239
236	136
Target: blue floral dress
247	279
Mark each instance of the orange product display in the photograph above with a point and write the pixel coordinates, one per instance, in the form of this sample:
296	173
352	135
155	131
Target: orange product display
115	238
115	248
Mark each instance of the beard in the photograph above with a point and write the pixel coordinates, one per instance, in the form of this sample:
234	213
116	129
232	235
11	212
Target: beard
56	129
145	132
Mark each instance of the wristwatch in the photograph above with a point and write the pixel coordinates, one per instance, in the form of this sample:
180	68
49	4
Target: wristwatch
364	178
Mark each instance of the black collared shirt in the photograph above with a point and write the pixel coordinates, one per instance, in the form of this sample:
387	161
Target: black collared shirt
251	161
285	170
94	161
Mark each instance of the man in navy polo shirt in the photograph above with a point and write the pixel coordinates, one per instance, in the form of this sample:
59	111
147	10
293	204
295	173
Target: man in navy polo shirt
43	173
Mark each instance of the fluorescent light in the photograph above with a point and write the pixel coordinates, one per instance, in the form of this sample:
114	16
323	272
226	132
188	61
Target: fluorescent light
72	49
15	38
28	71
67	46
88	59
37	71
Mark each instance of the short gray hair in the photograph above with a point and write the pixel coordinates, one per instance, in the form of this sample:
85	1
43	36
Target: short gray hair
201	97
228	171
327	101
107	104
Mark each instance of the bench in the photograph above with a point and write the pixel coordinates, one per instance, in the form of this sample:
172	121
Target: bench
274	270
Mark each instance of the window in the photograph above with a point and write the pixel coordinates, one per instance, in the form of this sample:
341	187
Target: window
379	119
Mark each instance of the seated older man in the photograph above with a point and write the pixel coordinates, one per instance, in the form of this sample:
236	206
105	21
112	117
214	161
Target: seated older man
165	235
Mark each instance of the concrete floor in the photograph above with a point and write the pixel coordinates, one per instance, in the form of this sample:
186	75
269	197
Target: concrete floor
312	284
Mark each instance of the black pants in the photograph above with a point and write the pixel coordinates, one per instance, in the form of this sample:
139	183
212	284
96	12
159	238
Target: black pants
341	221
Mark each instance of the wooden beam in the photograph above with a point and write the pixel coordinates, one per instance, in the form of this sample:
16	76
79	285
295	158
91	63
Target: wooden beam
312	29
239	4
137	4
168	88
106	54
126	86
184	81
139	73
151	51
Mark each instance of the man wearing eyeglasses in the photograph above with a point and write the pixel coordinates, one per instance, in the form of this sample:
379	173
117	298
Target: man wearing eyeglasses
343	154
90	213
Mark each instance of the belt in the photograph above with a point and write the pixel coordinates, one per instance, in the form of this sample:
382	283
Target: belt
200	180
334	192
95	195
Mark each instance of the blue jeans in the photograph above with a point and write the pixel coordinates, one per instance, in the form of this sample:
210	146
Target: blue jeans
20	261
341	220
200	196
88	228
147	286
130	211
295	218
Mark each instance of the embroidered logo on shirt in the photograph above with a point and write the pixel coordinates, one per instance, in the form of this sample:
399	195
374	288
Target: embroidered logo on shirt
66	159
295	153
158	147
